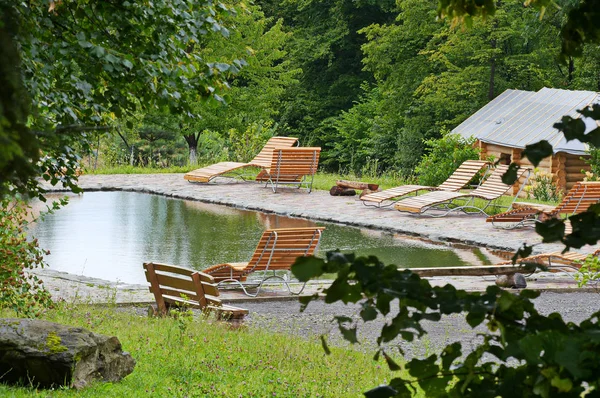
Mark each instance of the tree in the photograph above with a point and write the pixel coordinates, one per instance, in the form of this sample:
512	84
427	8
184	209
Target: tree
75	65
68	67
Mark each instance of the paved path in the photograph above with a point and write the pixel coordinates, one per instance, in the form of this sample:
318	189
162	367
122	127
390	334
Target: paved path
319	205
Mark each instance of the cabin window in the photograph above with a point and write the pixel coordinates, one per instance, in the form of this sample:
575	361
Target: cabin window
505	158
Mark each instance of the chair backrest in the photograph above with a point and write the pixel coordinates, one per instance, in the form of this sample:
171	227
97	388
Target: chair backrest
289	164
180	286
579	198
279	248
263	159
463	175
493	185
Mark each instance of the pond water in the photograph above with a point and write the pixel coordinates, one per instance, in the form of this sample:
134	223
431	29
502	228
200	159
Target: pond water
109	235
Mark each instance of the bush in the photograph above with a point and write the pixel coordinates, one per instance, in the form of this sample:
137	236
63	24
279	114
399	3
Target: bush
444	157
542	187
20	291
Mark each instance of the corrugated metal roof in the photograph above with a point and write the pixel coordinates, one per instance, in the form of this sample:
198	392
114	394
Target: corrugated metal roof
517	118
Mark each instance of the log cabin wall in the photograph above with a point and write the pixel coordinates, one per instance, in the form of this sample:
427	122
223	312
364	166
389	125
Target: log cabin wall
565	167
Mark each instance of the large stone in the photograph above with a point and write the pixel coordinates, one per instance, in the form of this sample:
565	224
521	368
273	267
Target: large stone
516	281
48	354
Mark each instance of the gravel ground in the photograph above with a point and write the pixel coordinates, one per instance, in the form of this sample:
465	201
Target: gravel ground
284	317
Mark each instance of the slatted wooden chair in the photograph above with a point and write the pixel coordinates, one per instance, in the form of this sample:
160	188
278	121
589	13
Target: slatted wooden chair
577	200
449	202
293	166
556	261
276	251
183	287
457	181
262	160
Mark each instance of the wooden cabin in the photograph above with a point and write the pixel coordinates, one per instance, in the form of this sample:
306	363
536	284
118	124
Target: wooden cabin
517	118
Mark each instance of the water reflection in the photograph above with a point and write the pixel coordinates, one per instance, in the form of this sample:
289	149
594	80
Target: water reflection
109	234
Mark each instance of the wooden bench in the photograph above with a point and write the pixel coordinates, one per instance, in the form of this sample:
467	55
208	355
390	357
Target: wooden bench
183	287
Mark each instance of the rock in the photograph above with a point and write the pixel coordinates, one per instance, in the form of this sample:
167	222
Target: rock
516	281
48	354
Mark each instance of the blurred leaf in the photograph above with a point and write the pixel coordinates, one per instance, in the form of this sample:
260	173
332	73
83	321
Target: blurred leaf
381	392
307	267
551	230
536	152
324	344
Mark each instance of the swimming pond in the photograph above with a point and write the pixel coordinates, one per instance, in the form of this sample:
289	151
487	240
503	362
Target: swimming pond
109	235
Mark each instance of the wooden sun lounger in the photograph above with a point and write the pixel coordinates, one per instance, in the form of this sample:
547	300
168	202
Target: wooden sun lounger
457	181
183	287
262	160
556	260
578	199
276	250
491	189
293	166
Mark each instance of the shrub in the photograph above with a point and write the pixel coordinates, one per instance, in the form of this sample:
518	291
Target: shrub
444	157
19	290
542	187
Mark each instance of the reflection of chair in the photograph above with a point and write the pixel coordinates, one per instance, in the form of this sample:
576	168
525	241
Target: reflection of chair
461	177
577	200
292	166
277	250
491	189
262	160
556	260
183	287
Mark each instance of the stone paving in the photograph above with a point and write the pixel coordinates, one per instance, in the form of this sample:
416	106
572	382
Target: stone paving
318	206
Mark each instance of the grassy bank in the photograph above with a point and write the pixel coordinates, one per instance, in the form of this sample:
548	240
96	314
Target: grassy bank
201	358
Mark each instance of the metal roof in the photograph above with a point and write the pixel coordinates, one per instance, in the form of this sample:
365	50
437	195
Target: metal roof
517	118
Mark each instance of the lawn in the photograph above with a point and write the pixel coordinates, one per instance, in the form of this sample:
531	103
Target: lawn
203	358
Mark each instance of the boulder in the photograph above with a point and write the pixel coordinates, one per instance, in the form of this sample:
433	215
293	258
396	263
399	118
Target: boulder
516	281
46	354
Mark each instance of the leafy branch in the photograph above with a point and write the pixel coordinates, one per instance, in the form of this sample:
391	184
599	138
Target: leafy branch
536	354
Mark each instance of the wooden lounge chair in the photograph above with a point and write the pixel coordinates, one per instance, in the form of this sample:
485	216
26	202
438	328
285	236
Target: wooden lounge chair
457	181
556	261
577	200
183	287
292	166
262	160
276	251
447	202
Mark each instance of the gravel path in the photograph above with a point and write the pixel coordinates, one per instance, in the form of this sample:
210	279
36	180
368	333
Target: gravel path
284	317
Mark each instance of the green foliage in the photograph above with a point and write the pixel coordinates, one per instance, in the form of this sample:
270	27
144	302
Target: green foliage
594	161
589	272
541	187
444	157
246	144
542	355
20	290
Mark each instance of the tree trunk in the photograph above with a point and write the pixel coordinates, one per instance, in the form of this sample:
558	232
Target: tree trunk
192	141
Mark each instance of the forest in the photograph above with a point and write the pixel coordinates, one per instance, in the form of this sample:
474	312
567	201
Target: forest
371	82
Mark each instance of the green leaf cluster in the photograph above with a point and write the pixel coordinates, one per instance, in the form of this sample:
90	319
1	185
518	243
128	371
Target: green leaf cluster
522	352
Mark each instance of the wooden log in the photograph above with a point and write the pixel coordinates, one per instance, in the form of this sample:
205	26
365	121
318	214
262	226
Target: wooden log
471	270
339	191
367	192
357	185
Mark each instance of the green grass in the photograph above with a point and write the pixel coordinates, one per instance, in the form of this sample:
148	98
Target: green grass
204	358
